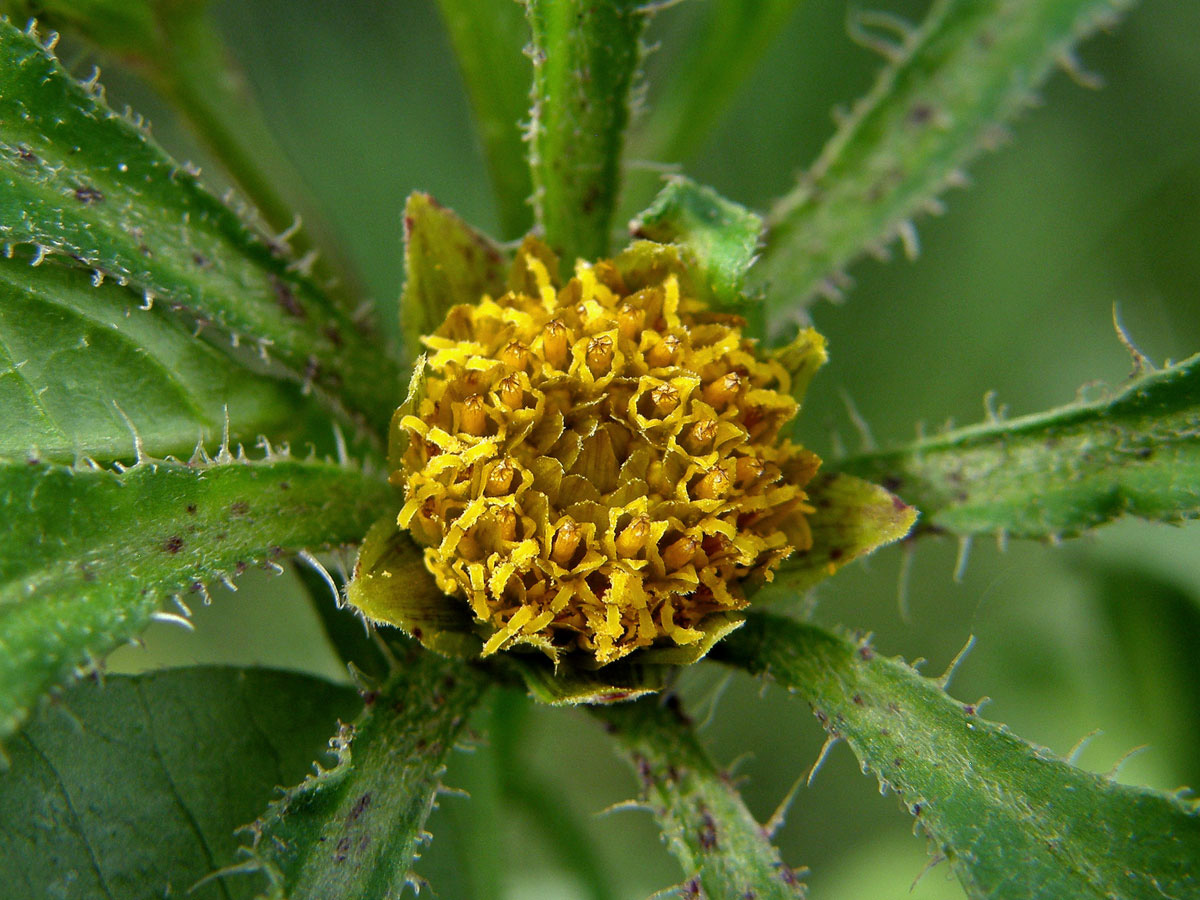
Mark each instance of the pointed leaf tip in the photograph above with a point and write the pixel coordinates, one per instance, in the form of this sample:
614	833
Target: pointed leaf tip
851	518
392	586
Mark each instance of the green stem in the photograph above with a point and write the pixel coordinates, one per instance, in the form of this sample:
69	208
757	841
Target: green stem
584	58
355	830
724	852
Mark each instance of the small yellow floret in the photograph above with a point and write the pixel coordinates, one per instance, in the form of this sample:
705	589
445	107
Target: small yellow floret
596	466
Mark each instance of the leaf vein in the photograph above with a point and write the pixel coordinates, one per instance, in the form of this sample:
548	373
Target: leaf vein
78	822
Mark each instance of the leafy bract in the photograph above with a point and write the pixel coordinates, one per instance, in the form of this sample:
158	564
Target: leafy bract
90	554
584	59
80	374
1060	472
391	586
446	262
134	787
355	830
947	88
723	851
1014	821
717	238
87	187
851	518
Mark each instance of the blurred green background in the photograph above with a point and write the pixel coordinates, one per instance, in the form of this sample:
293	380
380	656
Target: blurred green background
1095	203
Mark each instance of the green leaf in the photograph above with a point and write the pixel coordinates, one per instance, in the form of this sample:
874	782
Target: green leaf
717	238
943	96
716	63
447	262
1014	821
87	187
584	58
1060	472
89	554
851	518
79	373
723	851
488	40
176	46
134	787
355	830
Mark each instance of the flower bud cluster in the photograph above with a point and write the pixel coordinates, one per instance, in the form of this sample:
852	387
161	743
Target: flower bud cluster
596	466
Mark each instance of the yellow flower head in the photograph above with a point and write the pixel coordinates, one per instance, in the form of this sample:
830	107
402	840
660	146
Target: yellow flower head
596	466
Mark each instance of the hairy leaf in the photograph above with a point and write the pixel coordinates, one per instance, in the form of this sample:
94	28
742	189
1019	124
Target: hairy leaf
724	852
700	87
584	58
88	187
446	262
943	96
355	830
90	554
718	237
1014	821
1060	472
80	373
488	40
176	46
133	788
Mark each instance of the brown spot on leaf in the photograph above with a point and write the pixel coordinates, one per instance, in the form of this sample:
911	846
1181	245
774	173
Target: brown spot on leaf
359	807
920	114
286	298
708	831
335	336
173	544
86	194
